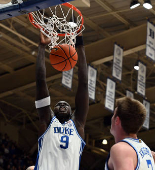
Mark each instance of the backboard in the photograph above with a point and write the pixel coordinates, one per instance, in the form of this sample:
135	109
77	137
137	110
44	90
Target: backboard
19	7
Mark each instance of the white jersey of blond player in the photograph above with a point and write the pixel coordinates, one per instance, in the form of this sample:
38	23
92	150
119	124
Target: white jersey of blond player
60	147
145	159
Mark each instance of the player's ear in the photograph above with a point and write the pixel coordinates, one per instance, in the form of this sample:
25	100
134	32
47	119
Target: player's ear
117	120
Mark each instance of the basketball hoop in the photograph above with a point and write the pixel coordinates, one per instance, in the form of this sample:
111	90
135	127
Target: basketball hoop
59	24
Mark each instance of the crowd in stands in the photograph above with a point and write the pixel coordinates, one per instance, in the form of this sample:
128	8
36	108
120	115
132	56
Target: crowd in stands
11	156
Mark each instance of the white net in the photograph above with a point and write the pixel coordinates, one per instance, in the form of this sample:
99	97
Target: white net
60	25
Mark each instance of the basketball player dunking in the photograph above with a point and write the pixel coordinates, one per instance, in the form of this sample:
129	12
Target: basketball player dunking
61	132
129	152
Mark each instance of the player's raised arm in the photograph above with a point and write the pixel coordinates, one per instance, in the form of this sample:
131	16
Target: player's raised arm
82	98
42	93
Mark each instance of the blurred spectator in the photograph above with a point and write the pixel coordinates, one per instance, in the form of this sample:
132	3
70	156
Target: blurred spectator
12	157
6	150
1	160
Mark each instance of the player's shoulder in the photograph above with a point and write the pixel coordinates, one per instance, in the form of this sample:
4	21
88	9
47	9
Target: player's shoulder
120	145
121	148
123	156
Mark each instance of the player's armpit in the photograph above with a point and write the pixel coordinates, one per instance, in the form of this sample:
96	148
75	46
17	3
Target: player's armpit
45	116
80	128
122	157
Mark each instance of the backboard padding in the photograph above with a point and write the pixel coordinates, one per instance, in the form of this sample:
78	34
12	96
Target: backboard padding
26	7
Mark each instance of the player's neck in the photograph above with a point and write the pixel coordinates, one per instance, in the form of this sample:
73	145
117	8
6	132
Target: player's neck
62	119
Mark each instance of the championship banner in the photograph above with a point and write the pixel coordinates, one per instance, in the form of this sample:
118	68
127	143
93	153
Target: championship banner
150	41
117	62
129	94
92	74
147	119
141	79
67	77
110	95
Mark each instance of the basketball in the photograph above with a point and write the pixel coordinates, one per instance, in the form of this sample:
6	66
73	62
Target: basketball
63	57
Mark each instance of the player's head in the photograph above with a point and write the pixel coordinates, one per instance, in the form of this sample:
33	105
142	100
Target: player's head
30	168
62	110
131	115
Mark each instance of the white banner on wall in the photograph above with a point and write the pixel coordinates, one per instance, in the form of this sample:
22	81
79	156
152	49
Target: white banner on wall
117	62
147	119
92	74
150	41
141	79
110	95
129	94
67	77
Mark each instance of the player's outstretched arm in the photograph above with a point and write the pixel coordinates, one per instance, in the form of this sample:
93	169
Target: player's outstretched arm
82	98
42	93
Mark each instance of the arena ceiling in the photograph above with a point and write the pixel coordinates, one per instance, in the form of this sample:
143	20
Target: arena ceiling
106	22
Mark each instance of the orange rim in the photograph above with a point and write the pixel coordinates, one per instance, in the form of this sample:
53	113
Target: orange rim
36	25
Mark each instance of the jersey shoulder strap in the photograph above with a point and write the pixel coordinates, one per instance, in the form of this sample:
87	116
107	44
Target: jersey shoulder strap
52	120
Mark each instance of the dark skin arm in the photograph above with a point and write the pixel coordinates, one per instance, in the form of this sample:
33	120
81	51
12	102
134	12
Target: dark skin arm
153	154
82	97
45	113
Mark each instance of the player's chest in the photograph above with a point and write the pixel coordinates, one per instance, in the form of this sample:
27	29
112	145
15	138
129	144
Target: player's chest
62	136
67	129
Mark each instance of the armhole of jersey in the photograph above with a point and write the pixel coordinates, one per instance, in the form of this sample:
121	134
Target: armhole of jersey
47	129
138	159
106	163
78	133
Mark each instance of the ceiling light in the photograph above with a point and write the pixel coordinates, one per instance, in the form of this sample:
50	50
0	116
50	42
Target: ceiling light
147	4
134	4
33	53
136	66
104	142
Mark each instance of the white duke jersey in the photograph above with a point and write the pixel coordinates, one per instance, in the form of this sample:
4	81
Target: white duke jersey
145	159
60	147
